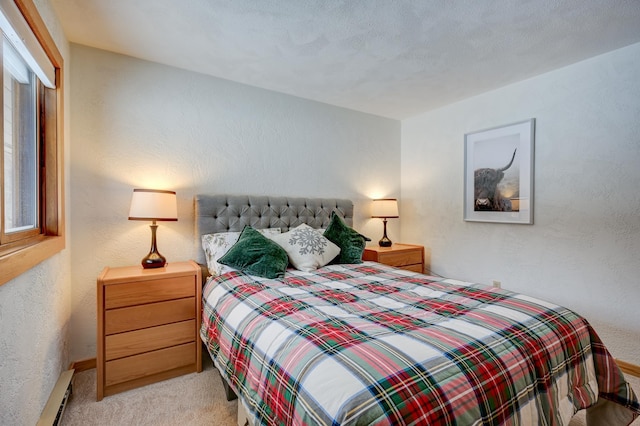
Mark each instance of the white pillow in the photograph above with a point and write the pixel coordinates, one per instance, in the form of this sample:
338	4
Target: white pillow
216	245
307	249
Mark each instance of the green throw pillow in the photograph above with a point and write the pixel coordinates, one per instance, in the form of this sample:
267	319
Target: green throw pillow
255	254
351	243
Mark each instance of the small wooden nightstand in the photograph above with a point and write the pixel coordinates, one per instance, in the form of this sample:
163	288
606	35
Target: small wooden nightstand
148	325
405	256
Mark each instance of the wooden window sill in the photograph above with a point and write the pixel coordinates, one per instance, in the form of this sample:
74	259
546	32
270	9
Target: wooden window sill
24	258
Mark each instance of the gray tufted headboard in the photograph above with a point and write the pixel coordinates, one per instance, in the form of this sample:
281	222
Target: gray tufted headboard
222	213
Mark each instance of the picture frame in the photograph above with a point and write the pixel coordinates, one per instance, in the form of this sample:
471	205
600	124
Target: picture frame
498	174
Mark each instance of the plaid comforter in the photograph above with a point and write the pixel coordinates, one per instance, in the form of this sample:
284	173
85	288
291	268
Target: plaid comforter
369	344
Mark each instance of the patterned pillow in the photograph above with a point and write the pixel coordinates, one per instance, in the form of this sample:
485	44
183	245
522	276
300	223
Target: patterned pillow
307	249
255	254
351	242
216	245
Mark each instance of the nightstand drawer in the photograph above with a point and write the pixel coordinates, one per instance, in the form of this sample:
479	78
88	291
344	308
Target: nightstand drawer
137	366
137	293
414	268
149	339
150	315
401	258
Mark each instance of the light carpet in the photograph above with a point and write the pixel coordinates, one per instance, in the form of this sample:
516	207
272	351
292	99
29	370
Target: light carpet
193	399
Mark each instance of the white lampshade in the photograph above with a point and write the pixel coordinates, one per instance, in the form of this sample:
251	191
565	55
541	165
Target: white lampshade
385	208
153	204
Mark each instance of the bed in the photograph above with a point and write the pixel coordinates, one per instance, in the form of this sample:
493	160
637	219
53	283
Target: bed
364	343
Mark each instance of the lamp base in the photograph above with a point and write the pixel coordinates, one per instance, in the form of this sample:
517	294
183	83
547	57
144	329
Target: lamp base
385	242
153	260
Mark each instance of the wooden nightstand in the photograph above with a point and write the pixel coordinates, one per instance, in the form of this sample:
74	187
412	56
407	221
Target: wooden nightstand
148	325
405	256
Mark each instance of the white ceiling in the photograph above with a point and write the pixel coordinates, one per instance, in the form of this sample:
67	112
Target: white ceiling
394	58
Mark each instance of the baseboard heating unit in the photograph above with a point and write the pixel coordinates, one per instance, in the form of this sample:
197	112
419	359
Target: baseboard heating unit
52	413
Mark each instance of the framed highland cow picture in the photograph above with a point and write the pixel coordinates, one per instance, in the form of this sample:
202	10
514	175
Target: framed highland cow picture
498	174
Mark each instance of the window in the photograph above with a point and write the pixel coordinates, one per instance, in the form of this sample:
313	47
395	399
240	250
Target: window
21	148
31	196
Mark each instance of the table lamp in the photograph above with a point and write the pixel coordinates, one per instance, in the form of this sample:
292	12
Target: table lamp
385	208
153	205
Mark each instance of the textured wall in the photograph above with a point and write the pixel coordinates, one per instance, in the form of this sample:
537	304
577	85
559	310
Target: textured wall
35	309
141	124
584	249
